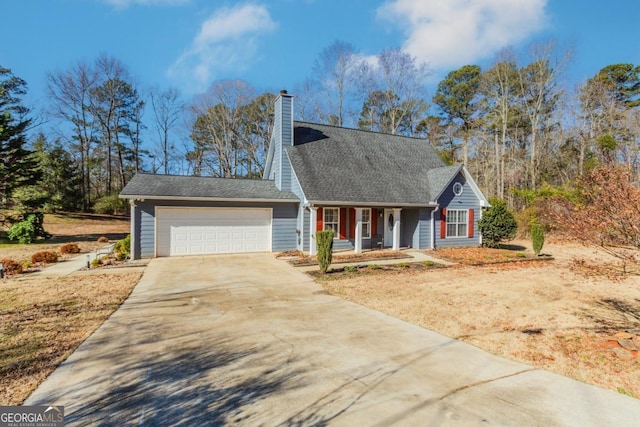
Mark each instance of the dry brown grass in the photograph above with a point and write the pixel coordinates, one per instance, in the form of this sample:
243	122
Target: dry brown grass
545	314
44	319
82	229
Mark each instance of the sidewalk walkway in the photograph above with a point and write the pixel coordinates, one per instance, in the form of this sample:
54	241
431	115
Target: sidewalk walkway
72	265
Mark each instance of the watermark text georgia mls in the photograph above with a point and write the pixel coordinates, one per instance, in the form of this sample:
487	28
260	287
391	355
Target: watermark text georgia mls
31	416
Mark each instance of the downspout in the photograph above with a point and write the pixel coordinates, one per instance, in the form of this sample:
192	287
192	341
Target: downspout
479	233
433	227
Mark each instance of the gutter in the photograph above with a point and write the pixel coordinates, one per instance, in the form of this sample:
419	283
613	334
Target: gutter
320	204
206	199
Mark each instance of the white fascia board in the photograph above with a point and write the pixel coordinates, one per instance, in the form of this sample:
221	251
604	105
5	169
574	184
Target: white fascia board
448	183
321	203
208	199
472	183
293	171
269	161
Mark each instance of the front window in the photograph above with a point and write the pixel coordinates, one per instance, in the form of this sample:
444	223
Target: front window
332	220
366	223
457	222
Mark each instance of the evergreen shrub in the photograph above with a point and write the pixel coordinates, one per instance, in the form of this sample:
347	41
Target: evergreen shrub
324	241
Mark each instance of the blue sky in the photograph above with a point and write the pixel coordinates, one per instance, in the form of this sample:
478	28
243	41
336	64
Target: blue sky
272	43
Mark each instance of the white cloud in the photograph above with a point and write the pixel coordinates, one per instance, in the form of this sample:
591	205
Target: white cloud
228	40
123	4
451	33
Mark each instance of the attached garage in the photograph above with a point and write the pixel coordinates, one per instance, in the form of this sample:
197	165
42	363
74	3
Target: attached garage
186	215
203	231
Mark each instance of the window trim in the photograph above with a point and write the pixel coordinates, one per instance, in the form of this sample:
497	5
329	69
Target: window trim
459	186
368	223
336	232
457	224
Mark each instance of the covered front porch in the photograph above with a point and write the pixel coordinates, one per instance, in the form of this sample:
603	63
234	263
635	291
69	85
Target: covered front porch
361	227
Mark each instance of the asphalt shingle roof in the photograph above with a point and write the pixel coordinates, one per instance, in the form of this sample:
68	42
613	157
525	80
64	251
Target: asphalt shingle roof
179	187
340	164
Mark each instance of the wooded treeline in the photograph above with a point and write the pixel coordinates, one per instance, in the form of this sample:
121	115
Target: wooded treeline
516	125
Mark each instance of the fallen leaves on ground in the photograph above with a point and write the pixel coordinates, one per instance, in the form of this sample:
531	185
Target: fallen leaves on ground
481	255
541	313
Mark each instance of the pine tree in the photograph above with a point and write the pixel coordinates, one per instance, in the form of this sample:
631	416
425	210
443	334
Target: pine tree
18	166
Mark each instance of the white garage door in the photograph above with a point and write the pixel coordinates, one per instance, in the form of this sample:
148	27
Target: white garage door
200	231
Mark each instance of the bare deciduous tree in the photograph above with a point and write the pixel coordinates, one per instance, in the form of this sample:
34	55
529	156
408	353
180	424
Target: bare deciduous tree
104	109
70	94
393	93
333	82
230	128
540	92
167	111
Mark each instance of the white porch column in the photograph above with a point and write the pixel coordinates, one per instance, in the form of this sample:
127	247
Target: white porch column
313	220
358	241
396	229
133	250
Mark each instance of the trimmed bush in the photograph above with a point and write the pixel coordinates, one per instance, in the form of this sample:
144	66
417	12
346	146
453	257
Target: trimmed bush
123	246
44	257
537	238
325	249
103	239
69	248
10	267
497	224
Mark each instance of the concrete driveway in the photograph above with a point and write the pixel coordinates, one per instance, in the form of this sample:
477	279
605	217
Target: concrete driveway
249	340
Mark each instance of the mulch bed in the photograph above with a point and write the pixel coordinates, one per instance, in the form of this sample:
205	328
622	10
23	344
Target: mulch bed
374	269
306	261
487	256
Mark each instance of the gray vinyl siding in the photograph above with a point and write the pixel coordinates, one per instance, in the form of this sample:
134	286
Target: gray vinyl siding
408	226
146	236
283	222
283	227
283	125
306	230
285	164
423	235
467	200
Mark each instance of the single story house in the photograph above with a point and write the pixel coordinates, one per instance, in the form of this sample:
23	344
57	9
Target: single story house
372	189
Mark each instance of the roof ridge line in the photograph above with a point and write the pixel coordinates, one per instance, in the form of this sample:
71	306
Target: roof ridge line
361	130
